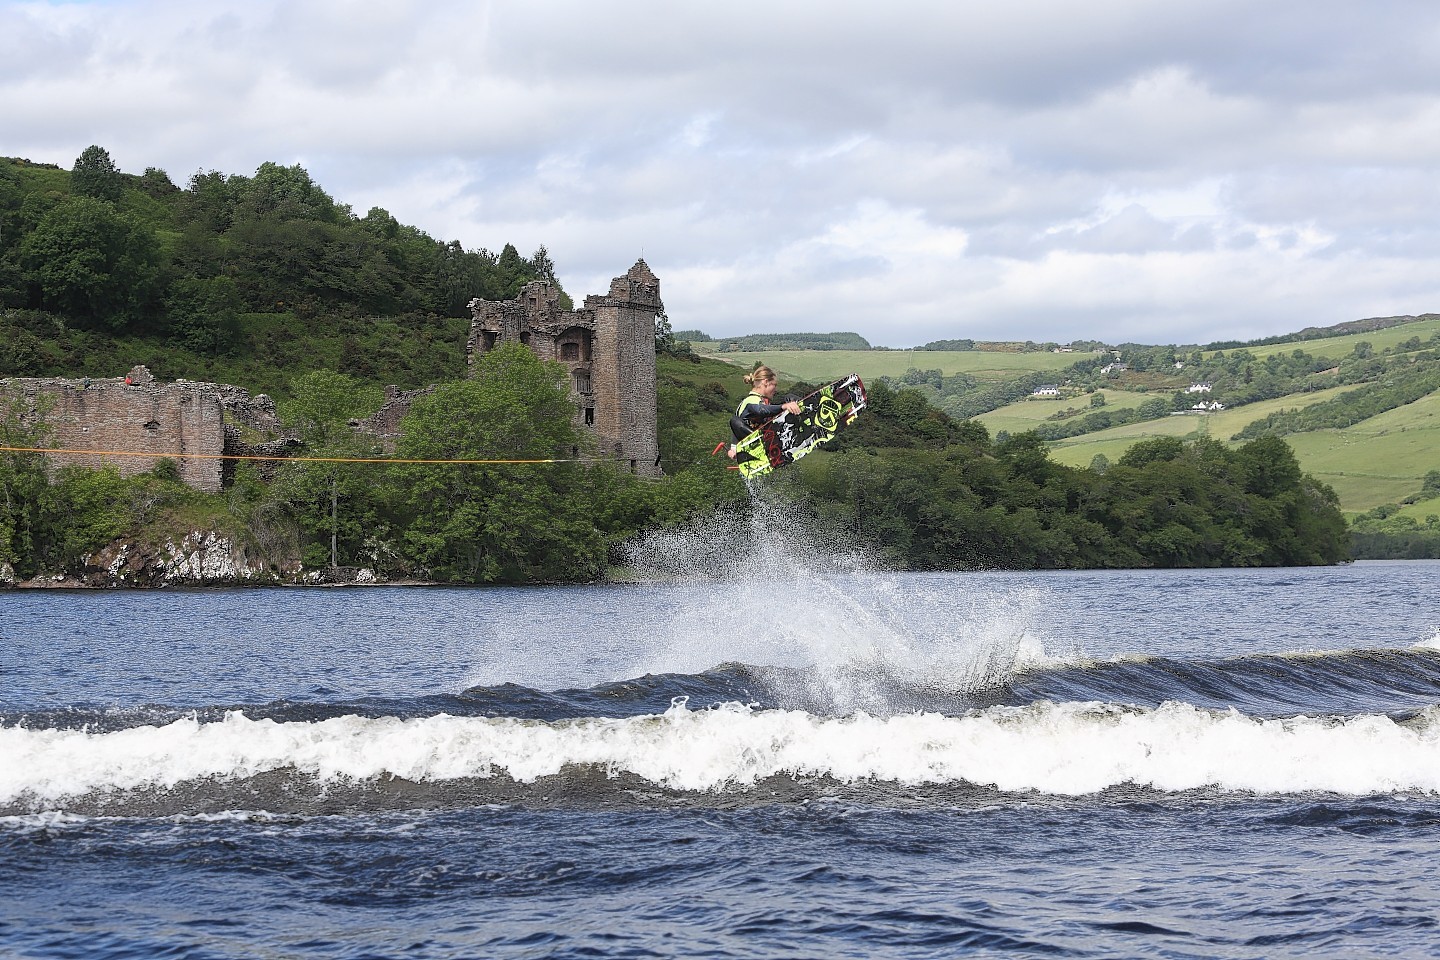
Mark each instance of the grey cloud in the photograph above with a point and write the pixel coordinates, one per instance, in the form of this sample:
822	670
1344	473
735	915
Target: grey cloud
734	141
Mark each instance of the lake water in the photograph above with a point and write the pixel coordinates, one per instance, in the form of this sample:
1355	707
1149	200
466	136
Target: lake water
756	763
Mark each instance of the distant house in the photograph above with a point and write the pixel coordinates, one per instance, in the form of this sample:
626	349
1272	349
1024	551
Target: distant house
1200	388
1116	367
1046	390
1179	364
1214	406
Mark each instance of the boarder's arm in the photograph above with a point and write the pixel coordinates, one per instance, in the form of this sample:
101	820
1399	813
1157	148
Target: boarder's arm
756	412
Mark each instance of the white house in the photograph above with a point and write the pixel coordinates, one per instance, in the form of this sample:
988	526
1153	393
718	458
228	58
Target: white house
1047	390
1214	406
1116	367
1200	388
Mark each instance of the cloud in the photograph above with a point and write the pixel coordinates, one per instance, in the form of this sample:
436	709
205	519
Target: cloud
913	171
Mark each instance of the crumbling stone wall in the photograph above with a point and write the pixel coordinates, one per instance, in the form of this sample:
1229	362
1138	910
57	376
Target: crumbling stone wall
384	424
132	414
133	422
608	347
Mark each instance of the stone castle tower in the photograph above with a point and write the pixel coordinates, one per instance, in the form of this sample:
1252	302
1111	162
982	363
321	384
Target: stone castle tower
608	346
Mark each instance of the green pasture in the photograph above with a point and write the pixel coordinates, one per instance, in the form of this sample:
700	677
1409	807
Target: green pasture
1079	451
1338	347
1027	414
822	366
1222	426
1380	460
1419	511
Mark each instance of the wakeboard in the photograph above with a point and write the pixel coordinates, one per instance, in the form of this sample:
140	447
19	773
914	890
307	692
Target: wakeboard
786	437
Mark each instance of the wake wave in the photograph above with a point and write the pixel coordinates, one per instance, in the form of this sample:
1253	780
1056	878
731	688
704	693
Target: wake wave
1067	749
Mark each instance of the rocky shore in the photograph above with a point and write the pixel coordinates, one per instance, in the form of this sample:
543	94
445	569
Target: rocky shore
200	558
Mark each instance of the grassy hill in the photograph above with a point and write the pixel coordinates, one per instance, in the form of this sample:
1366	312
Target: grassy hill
1027	414
1341	346
1380	460
822	366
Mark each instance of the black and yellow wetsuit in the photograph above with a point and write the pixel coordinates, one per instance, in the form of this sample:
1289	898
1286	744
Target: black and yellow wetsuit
752	411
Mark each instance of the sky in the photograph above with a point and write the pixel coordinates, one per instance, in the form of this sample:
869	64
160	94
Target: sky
1155	171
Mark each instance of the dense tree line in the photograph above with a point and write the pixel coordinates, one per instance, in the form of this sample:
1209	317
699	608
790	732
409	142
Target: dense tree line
917	487
1384	534
1152	409
123	255
1403	385
796	341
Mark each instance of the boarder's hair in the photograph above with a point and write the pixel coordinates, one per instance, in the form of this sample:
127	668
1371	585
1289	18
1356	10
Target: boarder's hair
759	375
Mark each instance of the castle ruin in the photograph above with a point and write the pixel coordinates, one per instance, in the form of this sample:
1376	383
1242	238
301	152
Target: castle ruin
147	421
608	348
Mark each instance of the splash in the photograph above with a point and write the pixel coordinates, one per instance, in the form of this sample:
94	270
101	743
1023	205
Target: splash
1429	643
781	588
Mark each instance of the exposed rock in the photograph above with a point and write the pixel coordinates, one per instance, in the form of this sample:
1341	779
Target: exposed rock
199	557
7	575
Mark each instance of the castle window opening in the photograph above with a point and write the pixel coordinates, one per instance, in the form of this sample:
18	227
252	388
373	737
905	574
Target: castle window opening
569	351
490	339
525	337
589	416
582	381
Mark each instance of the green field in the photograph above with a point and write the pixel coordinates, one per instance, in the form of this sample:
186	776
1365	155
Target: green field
1028	414
1338	347
822	366
1380	460
1078	451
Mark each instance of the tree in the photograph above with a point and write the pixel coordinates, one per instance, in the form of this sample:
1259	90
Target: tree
24	489
543	266
322	403
93	263
95	175
157	183
511	522
665	341
284	193
205	314
338	504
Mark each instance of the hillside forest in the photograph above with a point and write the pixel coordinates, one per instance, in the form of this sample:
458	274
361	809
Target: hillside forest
267	282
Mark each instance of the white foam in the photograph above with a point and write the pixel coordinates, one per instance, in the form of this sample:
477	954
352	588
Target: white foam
1068	749
1429	643
809	598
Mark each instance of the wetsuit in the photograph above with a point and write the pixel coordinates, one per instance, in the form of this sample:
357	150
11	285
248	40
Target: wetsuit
752	412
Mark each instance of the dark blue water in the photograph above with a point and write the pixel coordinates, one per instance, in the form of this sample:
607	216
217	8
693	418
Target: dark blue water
1146	764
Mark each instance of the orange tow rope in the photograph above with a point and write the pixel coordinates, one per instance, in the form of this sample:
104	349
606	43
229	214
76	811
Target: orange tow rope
237	456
